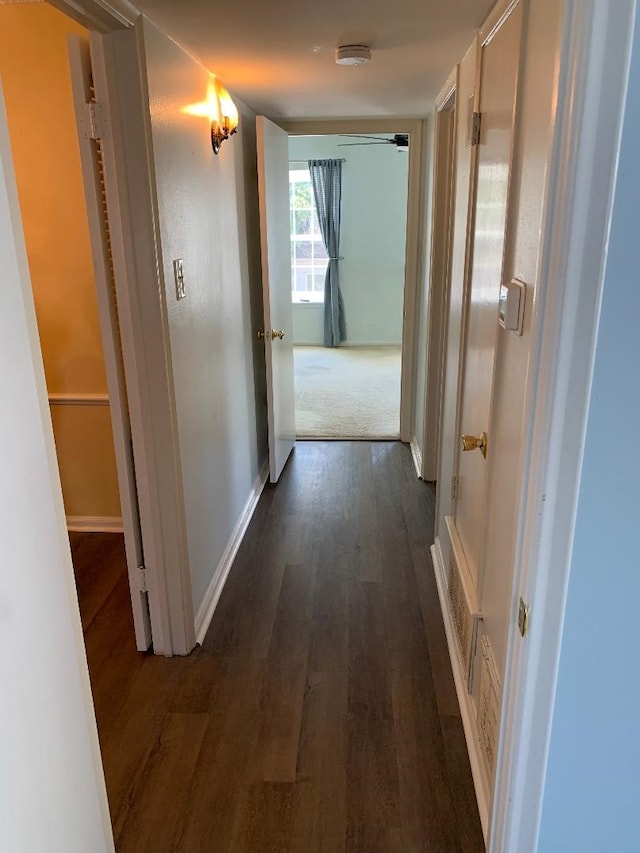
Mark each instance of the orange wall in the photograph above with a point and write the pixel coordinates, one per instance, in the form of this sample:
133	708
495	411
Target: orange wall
34	72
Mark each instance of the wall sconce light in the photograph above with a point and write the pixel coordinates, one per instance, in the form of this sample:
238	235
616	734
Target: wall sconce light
225	123
220	110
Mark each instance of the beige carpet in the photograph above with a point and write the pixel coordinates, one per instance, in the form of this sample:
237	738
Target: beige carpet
347	392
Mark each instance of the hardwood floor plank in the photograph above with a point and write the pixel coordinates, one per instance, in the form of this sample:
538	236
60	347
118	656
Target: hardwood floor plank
445	690
372	780
373	838
266	822
428	814
329	647
114	663
226	769
461	785
100	561
245	614
405	635
321	813
127	744
163	797
363	531
286	677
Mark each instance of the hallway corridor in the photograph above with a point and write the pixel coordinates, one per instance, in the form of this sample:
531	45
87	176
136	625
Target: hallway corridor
320	714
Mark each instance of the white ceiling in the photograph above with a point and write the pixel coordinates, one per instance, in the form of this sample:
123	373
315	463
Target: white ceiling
278	55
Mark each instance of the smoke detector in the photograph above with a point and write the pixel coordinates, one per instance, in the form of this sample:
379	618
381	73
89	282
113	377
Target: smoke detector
353	54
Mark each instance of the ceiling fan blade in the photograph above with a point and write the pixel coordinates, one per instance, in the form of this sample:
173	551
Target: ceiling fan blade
350	144
362	136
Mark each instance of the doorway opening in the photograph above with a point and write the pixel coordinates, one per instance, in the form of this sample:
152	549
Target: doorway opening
348	332
84	399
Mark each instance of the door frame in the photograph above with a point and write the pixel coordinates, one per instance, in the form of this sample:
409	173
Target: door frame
118	44
115	399
445	493
414	245
272	143
438	292
594	58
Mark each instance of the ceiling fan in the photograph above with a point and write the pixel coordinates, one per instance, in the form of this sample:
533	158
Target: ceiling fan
400	140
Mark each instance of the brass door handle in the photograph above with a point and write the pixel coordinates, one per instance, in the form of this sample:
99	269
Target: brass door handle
260	336
473	442
275	334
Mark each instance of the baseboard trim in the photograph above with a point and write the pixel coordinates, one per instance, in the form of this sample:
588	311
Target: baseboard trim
221	573
94	524
304	437
417	456
344	345
464	700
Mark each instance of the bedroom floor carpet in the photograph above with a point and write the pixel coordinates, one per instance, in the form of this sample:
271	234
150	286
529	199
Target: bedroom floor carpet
347	392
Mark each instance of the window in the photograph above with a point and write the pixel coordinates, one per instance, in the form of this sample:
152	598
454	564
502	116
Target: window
308	256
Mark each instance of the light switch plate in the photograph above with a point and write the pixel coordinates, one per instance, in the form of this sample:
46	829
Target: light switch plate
511	307
178	275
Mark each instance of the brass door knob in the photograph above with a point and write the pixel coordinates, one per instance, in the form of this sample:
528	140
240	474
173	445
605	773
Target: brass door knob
260	336
473	442
275	334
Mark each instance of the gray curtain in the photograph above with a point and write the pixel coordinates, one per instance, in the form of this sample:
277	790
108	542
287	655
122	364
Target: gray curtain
326	179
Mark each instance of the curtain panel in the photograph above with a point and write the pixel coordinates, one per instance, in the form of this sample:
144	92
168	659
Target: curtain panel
326	179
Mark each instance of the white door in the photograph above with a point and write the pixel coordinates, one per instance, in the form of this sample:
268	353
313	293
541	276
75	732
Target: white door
500	59
273	182
89	126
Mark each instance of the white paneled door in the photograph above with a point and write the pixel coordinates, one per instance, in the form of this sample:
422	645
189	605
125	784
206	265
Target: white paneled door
273	182
500	58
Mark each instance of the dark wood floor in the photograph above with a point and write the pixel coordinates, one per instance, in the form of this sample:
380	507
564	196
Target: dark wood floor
320	714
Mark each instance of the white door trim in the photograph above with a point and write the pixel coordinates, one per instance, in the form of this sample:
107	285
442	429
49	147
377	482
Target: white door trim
438	309
120	70
444	494
595	57
468	264
414	253
448	90
101	16
129	523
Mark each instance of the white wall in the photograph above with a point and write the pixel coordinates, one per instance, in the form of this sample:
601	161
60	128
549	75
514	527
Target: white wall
51	783
373	241
591	794
207	209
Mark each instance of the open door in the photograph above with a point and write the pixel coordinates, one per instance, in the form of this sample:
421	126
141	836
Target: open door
273	184
90	135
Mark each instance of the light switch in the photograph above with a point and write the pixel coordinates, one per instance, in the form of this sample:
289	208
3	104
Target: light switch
511	308
178	274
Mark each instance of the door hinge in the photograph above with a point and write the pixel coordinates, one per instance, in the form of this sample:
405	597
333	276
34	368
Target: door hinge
142	579
523	617
454	488
93	123
476	122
